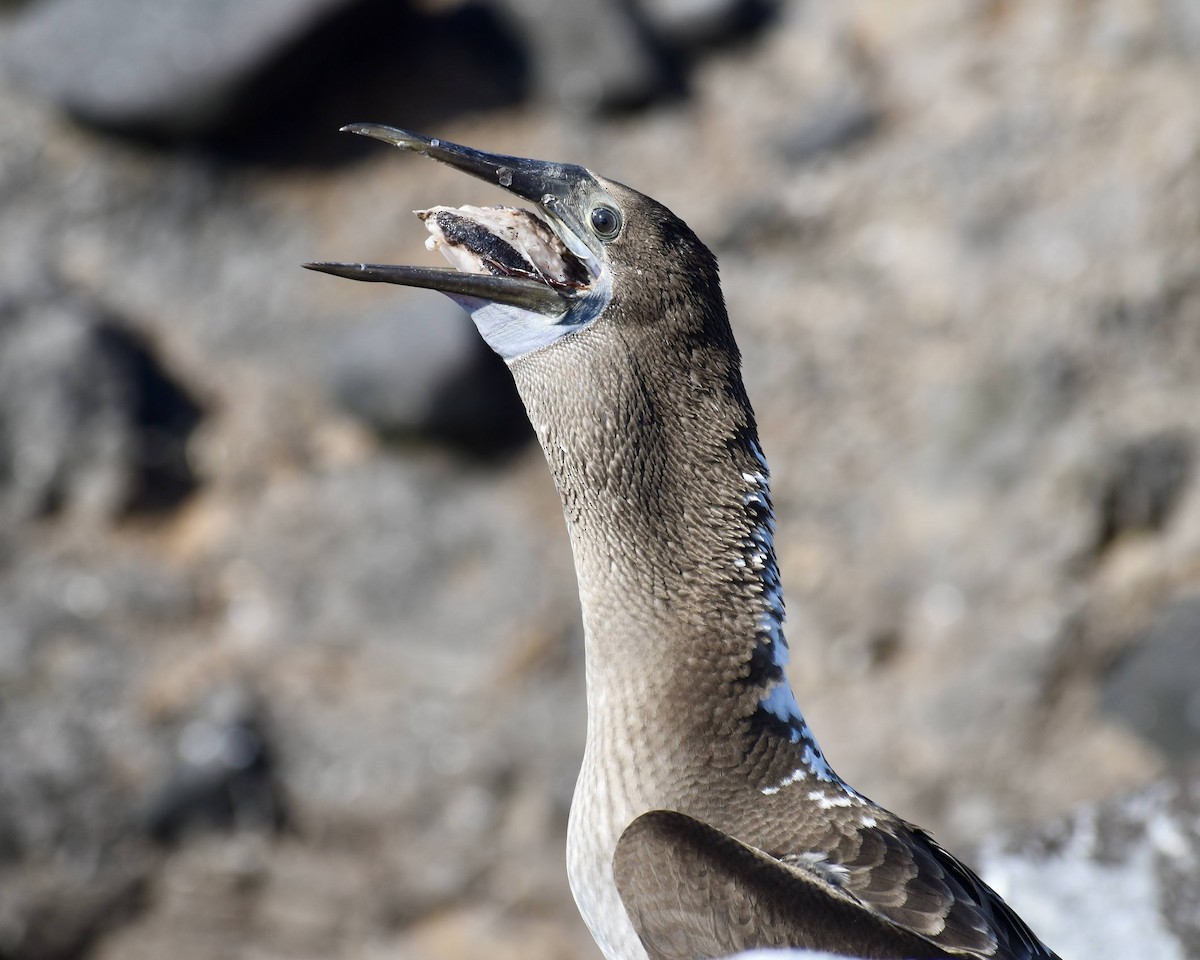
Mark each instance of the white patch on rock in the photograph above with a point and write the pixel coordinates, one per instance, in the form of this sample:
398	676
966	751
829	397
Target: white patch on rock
1086	906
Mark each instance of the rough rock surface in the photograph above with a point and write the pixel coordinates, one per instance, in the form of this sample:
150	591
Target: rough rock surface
325	699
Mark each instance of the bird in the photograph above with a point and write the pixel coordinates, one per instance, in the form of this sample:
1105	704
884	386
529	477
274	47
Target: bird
706	820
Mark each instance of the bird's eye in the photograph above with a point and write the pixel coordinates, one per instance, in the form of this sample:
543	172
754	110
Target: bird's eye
606	222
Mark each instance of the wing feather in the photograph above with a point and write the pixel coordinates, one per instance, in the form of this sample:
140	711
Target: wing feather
694	893
884	890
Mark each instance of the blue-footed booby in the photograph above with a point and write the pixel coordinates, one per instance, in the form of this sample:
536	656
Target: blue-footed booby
706	819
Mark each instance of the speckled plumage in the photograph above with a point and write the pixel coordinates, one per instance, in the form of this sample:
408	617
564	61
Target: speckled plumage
653	447
705	820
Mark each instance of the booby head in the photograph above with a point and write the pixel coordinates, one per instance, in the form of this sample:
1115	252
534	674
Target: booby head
528	278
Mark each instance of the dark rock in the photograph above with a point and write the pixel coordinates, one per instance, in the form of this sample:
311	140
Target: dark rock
162	417
224	775
591	57
264	81
1144	482
464	58
52	917
425	373
89	418
1155	687
615	55
172	66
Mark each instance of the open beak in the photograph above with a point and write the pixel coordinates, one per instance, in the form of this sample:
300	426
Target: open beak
548	185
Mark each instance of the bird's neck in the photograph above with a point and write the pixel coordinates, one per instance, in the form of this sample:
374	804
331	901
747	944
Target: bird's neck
667	501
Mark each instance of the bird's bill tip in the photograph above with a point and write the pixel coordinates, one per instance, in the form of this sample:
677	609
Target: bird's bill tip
404	139
514	291
352	271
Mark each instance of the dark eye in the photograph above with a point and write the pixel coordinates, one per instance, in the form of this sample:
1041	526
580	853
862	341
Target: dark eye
606	222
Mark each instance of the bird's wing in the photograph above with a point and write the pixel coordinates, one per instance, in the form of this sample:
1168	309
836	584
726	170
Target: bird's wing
693	892
900	872
880	891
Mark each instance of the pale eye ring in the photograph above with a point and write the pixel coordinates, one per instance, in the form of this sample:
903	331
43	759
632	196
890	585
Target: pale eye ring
606	222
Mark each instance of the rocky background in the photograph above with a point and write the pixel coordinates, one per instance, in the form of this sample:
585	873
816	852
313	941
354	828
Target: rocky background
290	659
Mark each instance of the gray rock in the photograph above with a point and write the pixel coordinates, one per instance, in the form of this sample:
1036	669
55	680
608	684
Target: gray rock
224	774
90	421
70	867
589	57
842	119
1144	482
50	915
64	427
1112	881
1181	25
1155	687
164	66
423	372
695	23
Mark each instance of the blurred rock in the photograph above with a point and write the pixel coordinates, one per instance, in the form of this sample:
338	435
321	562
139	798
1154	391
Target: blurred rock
835	123
456	58
48	914
1181	25
425	373
694	23
90	421
842	101
1155	685
999	419
1145	480
71	867
162	415
1112	881
590	57
224	776
64	416
615	55
171	67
